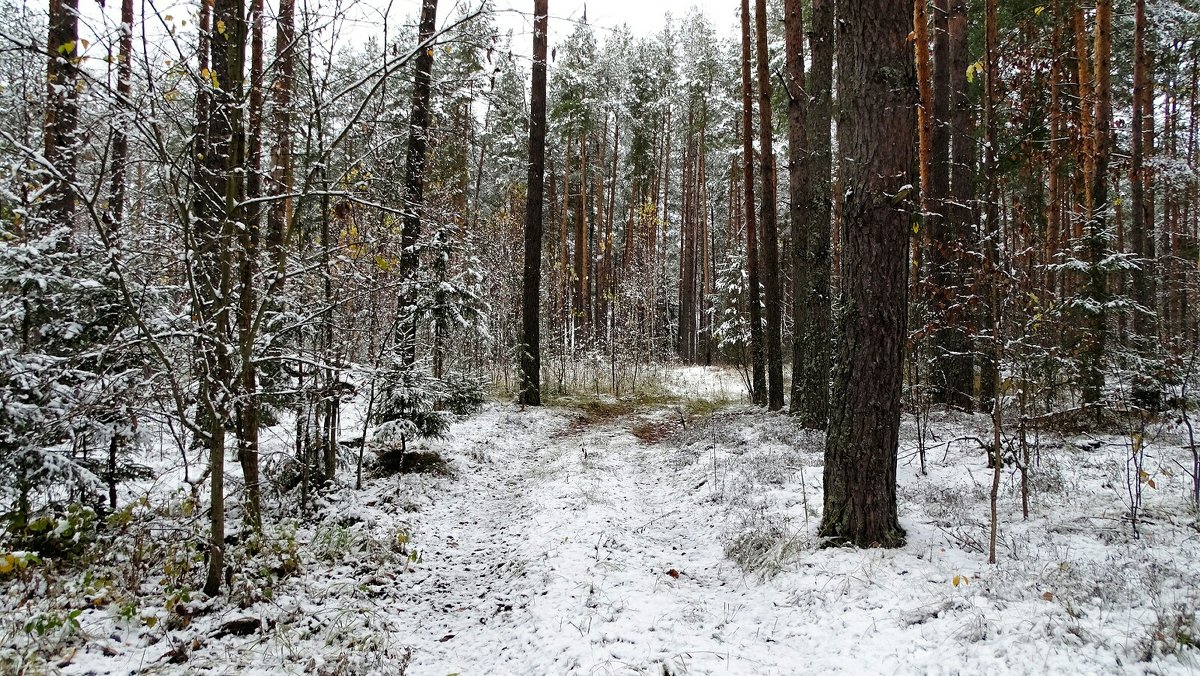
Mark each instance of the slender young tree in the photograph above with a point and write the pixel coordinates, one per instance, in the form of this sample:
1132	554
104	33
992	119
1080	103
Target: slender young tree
531	368
876	125
757	358
798	161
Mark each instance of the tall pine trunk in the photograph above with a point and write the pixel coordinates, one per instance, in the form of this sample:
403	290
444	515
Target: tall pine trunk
811	363
530	393
414	183
876	85
770	232
758	382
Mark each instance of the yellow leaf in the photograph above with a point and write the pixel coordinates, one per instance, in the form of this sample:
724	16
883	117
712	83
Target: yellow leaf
221	26
916	227
7	563
956	580
1037	11
66	47
1137	443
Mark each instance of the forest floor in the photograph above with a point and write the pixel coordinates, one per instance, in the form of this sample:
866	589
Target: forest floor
675	534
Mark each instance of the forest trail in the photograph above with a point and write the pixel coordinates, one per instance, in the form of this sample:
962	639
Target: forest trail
579	546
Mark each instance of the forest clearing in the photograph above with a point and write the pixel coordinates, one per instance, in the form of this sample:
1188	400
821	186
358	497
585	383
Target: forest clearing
671	536
484	337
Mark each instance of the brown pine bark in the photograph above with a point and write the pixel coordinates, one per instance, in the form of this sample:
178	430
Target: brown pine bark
876	125
530	393
1096	291
758	387
770	231
798	165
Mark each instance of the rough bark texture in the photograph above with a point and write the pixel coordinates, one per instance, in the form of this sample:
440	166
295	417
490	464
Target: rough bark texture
877	89
1141	209
62	110
770	230
811	363
414	181
758	381
531	392
798	161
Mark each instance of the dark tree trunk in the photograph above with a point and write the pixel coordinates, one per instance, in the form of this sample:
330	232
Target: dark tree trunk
217	215
877	87
279	215
951	376
62	111
770	231
811	358
1142	209
414	183
530	393
758	381
247	410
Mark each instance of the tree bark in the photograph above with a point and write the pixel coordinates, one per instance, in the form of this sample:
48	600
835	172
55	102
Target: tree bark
770	232
62	112
811	364
877	87
758	386
414	182
531	368
798	165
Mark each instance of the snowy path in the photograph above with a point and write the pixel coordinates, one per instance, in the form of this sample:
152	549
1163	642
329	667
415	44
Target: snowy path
576	547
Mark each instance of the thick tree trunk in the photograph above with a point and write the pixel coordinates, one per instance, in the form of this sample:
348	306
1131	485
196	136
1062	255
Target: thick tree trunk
876	85
758	382
531	365
414	183
770	232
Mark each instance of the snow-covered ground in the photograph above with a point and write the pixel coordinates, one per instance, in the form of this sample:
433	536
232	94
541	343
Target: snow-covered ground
679	537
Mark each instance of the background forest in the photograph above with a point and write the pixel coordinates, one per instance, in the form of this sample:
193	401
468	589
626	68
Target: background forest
225	219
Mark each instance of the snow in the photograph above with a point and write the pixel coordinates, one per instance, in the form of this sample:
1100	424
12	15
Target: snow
672	538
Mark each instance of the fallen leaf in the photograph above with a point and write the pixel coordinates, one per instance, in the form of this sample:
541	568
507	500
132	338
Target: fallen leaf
1048	596
673	573
445	638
